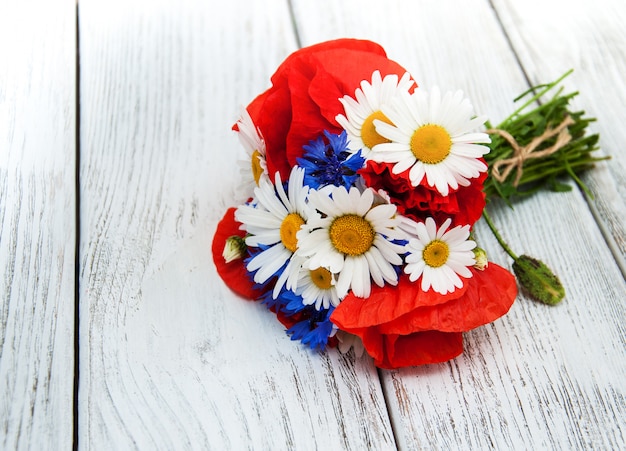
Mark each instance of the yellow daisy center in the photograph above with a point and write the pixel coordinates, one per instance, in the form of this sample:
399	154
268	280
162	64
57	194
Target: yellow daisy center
255	162
322	278
436	253
351	234
369	135
288	230
431	144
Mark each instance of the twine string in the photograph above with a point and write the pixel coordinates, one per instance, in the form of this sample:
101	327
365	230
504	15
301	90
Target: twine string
502	168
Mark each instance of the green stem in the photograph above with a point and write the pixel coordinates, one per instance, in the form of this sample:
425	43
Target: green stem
495	232
537	95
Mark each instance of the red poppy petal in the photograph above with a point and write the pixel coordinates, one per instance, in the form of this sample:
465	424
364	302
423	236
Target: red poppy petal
387	303
490	294
271	113
307	122
349	45
346	69
420	348
234	274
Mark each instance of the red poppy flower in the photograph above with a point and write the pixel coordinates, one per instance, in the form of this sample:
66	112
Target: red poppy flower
463	205
304	98
404	325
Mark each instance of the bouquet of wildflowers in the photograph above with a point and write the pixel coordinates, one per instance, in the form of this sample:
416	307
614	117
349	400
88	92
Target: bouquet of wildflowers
359	194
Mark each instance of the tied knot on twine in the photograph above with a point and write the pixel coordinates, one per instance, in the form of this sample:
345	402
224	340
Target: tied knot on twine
502	168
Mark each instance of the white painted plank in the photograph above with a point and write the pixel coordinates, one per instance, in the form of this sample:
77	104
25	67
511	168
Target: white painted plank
37	223
170	358
552	37
541	377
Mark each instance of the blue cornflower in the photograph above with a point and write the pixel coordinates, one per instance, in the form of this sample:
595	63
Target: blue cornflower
293	302
329	162
286	301
315	328
274	304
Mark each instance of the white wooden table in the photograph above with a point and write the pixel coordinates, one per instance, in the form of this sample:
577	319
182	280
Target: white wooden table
116	332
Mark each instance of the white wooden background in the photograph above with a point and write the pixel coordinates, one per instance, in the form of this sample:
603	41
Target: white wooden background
115	331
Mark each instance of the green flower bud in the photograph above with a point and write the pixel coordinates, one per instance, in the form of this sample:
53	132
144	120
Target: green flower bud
538	280
480	255
234	248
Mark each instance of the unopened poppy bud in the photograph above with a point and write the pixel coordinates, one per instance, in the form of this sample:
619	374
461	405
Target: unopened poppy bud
538	280
234	248
480	255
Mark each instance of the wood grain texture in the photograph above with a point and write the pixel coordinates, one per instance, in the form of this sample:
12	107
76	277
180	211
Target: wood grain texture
37	224
170	358
540	377
589	37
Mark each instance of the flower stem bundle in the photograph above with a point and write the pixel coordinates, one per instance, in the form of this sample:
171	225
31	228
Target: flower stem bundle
533	149
527	124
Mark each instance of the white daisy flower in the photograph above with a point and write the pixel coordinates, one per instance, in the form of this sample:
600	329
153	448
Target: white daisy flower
440	256
253	168
352	239
317	287
274	221
360	113
431	136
